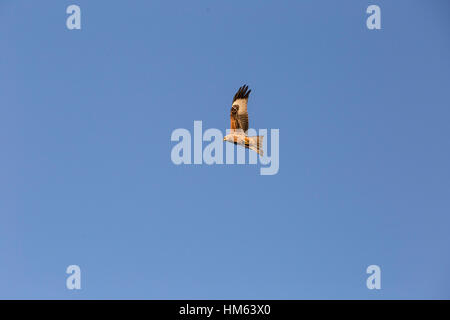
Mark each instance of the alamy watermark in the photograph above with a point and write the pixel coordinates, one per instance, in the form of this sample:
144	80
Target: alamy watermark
374	280
191	151
74	20
74	280
373	22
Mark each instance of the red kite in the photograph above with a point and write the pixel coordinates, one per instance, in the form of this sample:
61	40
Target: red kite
239	123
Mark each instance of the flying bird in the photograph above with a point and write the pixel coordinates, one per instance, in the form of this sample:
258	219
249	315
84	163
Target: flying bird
239	123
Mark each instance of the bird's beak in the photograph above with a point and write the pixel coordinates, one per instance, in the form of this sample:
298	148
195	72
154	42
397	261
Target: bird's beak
224	139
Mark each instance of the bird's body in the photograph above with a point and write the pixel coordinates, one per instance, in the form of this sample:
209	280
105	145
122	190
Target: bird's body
239	123
252	143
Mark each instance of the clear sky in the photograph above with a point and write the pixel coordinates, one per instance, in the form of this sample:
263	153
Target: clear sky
86	176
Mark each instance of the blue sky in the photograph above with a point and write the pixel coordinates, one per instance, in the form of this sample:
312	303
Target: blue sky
86	177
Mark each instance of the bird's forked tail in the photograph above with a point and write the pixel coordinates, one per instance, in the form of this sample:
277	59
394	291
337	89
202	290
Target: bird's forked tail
256	144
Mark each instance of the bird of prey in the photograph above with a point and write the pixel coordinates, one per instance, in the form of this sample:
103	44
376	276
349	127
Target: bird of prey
239	123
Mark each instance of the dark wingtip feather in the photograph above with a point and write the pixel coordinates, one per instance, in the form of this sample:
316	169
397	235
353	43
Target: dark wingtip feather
242	93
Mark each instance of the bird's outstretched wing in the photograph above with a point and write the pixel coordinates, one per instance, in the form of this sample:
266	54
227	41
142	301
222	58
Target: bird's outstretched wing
239	114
